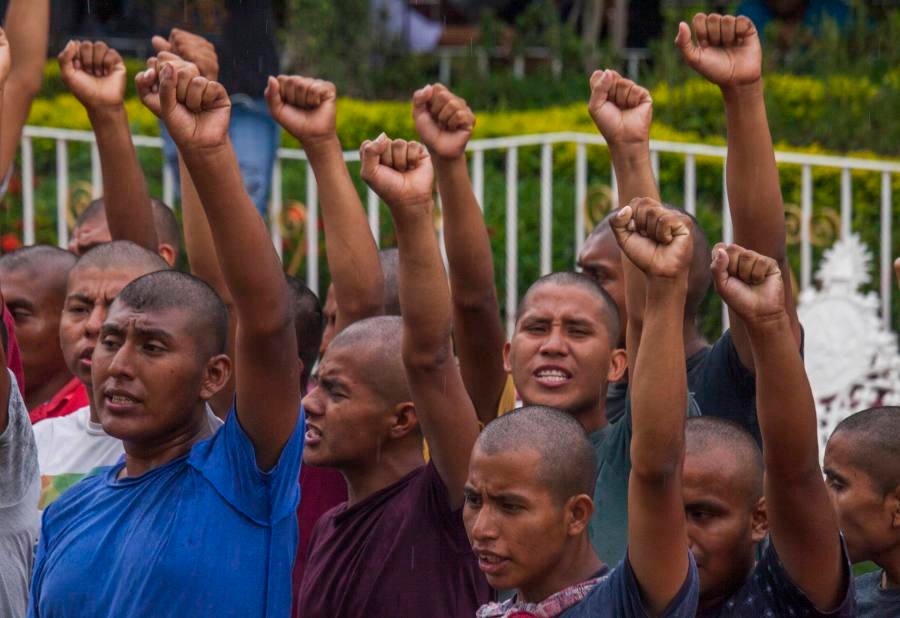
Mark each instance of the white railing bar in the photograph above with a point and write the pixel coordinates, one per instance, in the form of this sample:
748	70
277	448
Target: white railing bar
806	205
727	233
62	193
28	190
312	231
546	209
372	209
442	245
846	202
580	197
512	240
690	184
168	177
478	177
276	204
887	271
613	187
96	172
654	164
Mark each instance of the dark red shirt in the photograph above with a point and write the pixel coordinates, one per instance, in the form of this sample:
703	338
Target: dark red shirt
71	397
402	551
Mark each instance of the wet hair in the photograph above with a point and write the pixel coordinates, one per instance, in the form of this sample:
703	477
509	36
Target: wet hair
700	276
568	465
171	289
309	322
376	343
390	267
120	254
607	306
46	263
876	447
704	433
167	229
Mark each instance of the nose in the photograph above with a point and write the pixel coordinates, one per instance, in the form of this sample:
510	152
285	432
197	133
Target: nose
120	366
484	527
554	344
311	404
95	321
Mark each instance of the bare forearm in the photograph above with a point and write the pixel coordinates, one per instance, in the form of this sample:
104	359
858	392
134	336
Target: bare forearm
351	251
424	293
659	383
256	282
128	210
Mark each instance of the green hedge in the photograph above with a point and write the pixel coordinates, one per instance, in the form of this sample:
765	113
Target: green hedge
359	120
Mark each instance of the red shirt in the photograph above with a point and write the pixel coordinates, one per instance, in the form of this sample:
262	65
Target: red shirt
71	397
13	357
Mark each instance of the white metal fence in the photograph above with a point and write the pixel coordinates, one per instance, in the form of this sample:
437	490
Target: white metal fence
511	146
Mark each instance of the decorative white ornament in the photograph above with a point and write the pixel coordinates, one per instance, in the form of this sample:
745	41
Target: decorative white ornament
852	362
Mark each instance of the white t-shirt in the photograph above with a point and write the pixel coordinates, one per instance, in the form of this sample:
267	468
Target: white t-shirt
20	521
73	446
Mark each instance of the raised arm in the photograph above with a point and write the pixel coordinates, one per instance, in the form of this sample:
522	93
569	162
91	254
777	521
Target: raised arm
267	375
658	241
306	108
401	173
27	27
95	73
623	111
728	54
802	523
444	123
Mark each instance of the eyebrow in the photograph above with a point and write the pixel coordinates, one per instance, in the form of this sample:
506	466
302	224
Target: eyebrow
706	505
82	298
145	333
831	473
19	302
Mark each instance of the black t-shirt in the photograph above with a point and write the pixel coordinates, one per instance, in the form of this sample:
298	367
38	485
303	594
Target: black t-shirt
873	601
770	593
247	52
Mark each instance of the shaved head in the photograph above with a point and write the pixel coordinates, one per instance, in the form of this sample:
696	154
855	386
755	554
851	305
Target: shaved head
704	434
120	254
164	221
875	439
376	344
605	304
568	465
43	260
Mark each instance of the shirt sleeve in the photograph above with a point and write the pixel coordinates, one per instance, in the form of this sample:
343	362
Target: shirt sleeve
228	462
18	453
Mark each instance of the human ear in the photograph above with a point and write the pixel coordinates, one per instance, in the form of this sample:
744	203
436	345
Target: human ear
893	503
618	365
578	513
215	376
759	521
403	419
167	252
507	365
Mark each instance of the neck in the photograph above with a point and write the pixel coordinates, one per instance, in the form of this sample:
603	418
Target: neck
46	389
573	568
693	340
890	579
142	458
381	471
95	416
594	417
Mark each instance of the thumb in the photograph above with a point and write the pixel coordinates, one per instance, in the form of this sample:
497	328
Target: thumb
719	267
66	56
369	154
421	97
684	42
600	84
620	223
167	96
160	44
273	95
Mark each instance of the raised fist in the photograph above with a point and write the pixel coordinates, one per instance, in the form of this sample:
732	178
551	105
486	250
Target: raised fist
194	109
727	53
443	121
304	106
193	48
5	58
621	109
94	73
749	283
655	238
400	172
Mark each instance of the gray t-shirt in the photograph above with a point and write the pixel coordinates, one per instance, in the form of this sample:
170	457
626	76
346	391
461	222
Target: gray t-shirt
20	521
873	601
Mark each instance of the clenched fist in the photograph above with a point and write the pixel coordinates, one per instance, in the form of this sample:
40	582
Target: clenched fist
194	109
443	120
94	72
749	283
655	238
193	48
727	53
400	172
620	108
304	106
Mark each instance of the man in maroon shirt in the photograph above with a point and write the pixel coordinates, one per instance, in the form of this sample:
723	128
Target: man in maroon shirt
398	546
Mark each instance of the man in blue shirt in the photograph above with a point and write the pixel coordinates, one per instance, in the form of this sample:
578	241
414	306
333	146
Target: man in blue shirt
185	526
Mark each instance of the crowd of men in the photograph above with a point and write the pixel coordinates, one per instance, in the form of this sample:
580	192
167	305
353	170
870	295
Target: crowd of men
150	451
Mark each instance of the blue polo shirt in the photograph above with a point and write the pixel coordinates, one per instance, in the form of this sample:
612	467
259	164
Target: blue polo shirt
207	534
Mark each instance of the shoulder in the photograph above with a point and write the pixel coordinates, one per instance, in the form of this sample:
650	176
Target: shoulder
49	427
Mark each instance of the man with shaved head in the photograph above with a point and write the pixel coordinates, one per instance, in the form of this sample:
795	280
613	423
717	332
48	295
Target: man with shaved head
33	281
73	446
862	467
397	546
